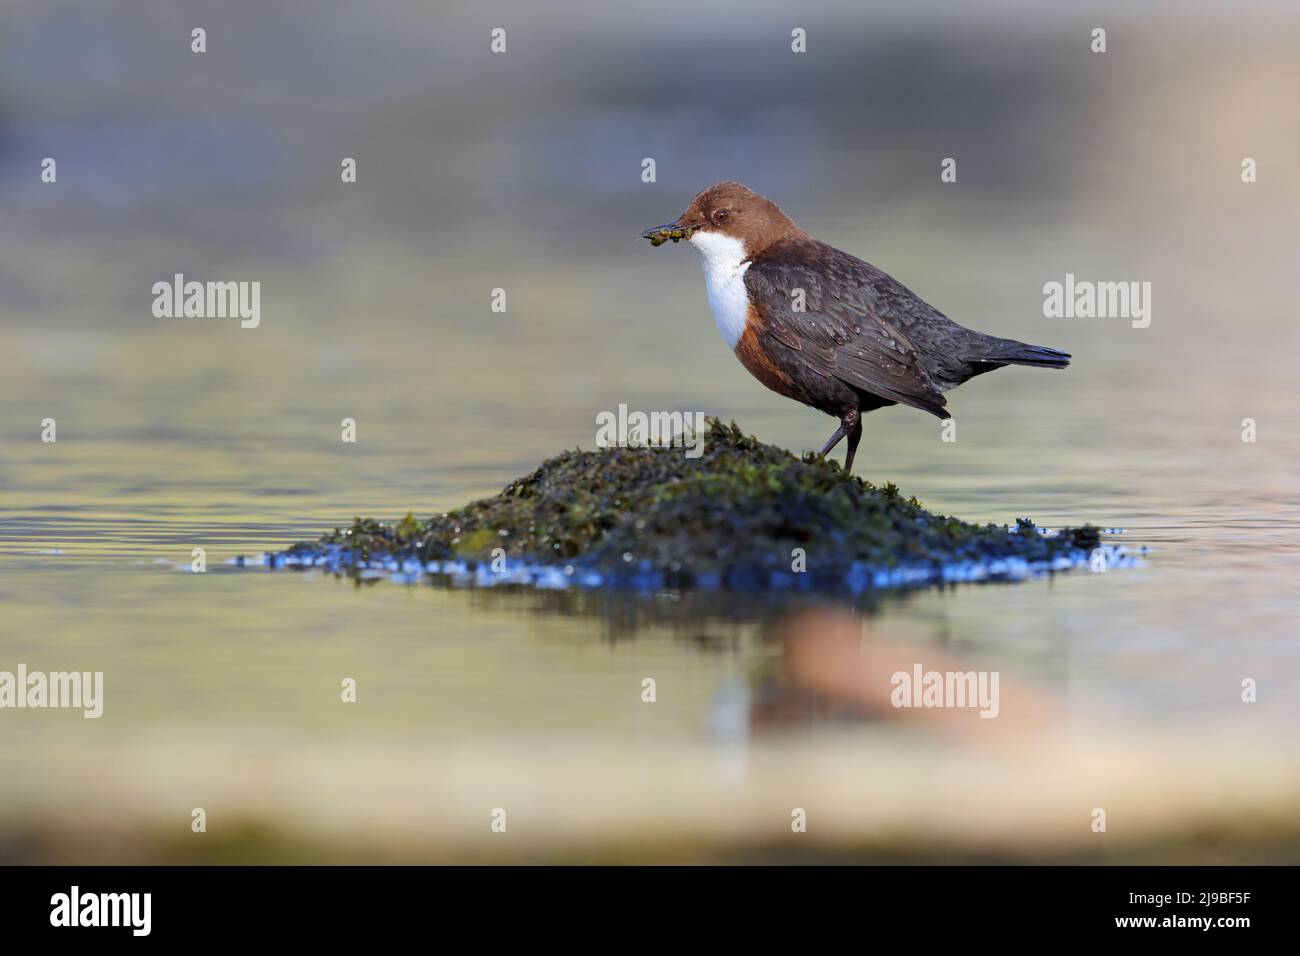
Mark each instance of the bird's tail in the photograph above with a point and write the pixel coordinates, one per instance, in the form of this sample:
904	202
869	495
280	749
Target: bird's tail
1011	352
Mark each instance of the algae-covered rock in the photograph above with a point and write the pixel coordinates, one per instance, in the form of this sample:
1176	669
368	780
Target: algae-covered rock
743	515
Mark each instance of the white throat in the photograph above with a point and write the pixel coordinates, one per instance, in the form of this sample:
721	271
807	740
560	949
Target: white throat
724	278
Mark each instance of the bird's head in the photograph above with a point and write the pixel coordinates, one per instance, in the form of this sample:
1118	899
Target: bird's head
731	215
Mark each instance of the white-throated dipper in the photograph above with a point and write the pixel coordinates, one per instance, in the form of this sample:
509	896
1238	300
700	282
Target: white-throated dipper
823	327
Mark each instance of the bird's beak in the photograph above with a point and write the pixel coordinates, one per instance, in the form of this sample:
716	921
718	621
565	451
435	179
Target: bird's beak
658	235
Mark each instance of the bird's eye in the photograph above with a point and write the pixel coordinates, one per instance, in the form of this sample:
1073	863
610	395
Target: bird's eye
720	215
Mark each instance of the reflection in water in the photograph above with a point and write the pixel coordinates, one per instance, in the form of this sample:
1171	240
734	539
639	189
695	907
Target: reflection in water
834	664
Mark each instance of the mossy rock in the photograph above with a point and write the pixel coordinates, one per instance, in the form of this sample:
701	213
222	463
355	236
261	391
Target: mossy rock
732	517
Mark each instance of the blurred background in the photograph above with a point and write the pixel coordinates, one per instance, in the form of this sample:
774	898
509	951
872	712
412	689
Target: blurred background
522	171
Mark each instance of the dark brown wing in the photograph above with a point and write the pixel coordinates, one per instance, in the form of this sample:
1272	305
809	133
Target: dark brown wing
840	332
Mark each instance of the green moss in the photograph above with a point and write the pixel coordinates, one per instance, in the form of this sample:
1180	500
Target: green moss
738	510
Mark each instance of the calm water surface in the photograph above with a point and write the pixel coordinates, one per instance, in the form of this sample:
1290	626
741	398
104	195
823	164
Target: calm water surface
157	457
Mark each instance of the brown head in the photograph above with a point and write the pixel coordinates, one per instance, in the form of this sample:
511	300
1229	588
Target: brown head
731	210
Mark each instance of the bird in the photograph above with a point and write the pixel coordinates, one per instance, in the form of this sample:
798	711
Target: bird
823	327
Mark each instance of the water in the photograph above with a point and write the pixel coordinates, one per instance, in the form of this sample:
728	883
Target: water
223	689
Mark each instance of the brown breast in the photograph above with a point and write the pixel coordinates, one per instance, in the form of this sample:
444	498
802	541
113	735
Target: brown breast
758	362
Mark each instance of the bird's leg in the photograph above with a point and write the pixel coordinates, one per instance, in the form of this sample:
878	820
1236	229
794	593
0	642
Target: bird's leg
851	425
834	440
855	435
